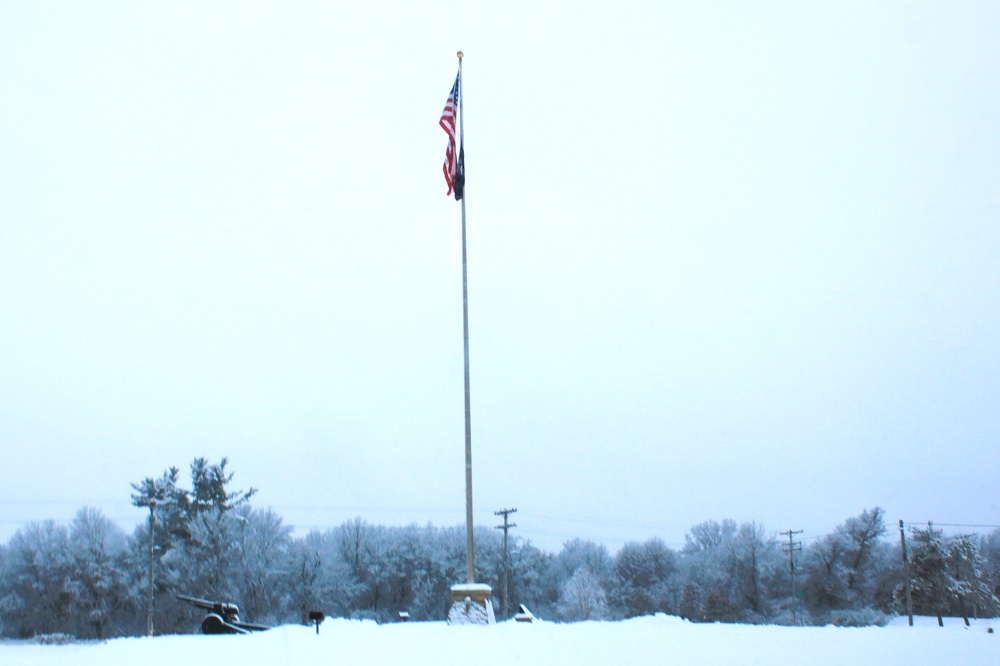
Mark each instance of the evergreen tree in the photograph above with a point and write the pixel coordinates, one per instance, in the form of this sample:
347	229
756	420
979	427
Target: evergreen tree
972	583
990	550
932	587
210	487
171	503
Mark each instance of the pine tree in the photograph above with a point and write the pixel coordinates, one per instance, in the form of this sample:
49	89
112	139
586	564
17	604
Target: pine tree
210	487
171	503
969	570
932	587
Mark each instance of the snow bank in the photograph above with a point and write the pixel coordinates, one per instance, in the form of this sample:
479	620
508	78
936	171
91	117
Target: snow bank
649	640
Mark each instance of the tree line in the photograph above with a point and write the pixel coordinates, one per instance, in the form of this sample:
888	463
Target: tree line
91	579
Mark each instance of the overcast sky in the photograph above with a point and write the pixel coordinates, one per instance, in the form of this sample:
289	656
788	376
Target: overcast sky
726	260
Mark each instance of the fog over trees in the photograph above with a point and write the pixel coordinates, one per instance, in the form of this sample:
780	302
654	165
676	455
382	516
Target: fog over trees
91	579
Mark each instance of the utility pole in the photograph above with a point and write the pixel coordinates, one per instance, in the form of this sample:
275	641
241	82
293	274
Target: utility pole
152	562
906	573
791	548
506	556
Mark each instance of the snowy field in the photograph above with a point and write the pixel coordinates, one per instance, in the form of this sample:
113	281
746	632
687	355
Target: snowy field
648	640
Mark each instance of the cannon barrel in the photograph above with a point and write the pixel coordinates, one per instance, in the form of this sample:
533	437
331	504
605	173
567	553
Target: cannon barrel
200	603
226	609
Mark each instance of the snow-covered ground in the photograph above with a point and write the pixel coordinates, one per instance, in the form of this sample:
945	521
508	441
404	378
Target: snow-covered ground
648	640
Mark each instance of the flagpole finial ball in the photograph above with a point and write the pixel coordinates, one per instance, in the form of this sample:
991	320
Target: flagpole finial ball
460	55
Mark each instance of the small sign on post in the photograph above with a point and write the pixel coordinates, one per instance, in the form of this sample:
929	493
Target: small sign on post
316	617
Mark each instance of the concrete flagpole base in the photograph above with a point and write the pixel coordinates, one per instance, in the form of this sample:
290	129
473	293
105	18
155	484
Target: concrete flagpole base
470	604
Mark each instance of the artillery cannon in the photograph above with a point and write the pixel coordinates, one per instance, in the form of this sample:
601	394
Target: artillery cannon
223	617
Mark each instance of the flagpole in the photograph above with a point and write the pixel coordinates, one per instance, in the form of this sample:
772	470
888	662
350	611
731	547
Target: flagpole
470	569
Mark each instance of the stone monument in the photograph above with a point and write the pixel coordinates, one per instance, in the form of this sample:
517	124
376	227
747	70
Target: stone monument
470	604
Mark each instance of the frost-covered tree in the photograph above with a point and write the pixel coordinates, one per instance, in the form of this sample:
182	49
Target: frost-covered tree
210	487
731	572
40	596
824	584
533	581
171	504
262	540
948	576
167	527
645	577
209	564
197	548
169	614
6	588
969	570
578	553
863	534
690	607
412	573
422	572
372	586
379	571
175	507
847	568
756	562
209	541
933	589
99	576
356	544
583	597
990	549
305	578
707	565
709	536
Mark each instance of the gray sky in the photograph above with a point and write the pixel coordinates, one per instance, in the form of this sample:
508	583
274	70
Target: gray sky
724	260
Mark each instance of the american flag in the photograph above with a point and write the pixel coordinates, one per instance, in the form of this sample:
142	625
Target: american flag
454	162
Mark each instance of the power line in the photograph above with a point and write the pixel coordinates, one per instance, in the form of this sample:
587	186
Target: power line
612	522
953	524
